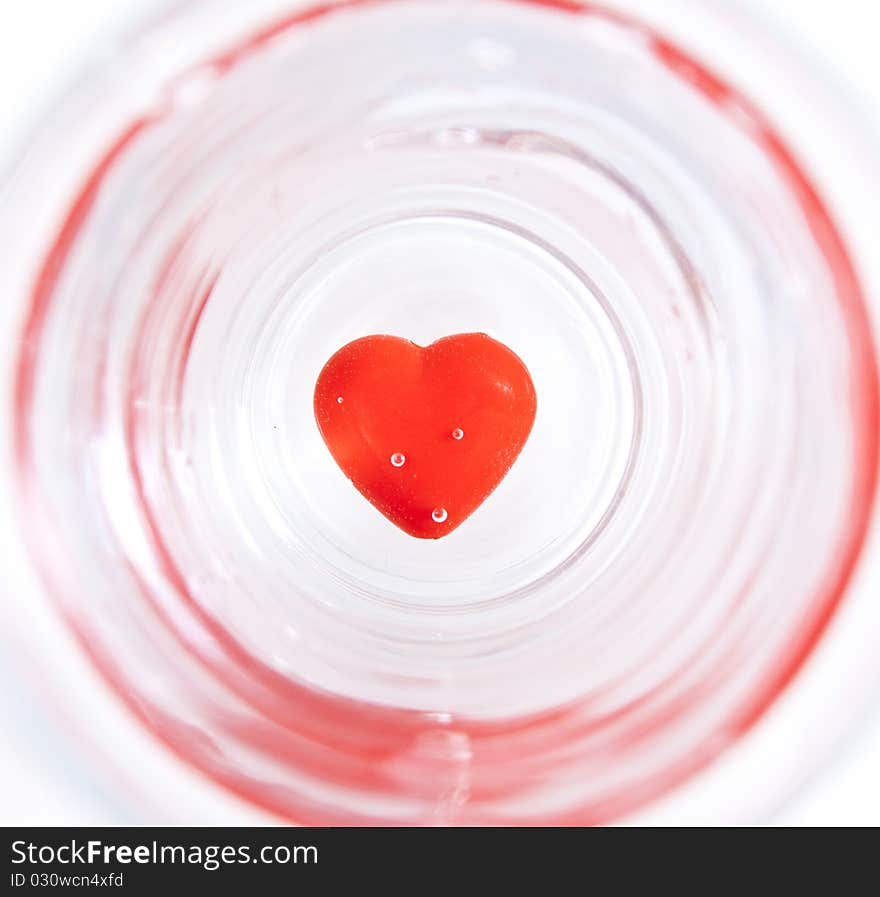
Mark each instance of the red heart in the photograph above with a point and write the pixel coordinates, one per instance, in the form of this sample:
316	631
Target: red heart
425	433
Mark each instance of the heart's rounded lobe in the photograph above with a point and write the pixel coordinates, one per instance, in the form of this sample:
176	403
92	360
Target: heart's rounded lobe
425	433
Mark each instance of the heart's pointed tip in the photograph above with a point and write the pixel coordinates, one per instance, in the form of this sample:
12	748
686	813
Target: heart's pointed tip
425	537
418	530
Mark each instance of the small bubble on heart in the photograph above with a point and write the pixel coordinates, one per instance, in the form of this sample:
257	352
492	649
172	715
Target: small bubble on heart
439	515
398	460
340	400
458	433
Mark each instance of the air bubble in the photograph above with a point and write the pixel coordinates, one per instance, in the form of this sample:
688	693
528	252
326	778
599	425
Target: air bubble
458	433
439	515
340	400
398	460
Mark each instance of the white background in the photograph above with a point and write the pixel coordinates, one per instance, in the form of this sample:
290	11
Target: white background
40	44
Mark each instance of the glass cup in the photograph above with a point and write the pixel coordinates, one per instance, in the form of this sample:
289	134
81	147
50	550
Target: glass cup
626	196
